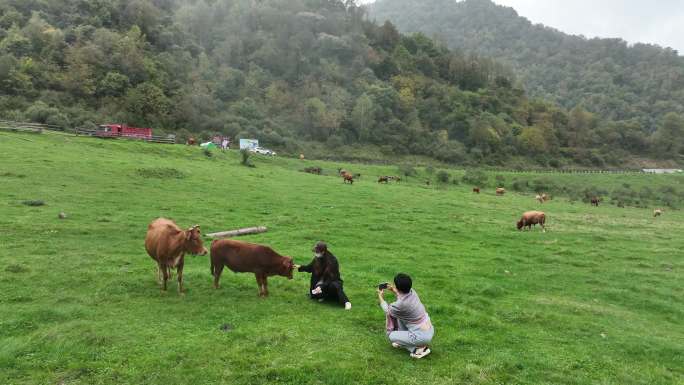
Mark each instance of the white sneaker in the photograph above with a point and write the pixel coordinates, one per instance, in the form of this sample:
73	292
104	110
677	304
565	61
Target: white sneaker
395	345
419	353
347	306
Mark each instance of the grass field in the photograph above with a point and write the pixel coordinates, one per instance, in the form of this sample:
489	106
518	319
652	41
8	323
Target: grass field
598	299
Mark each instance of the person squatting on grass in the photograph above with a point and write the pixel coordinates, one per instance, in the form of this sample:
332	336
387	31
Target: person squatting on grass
325	276
408	324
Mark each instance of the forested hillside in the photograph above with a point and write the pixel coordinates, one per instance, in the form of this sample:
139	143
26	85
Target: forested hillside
290	72
641	82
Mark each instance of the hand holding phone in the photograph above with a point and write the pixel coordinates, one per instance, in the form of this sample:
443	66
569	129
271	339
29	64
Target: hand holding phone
383	286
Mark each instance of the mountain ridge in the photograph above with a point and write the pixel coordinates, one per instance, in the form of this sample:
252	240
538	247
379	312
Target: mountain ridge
608	76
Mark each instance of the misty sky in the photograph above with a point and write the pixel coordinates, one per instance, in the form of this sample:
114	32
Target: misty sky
648	21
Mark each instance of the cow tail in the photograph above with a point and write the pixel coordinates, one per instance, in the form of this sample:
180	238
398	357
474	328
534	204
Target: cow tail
212	267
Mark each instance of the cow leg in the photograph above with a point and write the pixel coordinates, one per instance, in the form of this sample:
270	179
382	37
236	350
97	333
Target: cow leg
165	276
179	270
260	281
217	275
159	274
265	284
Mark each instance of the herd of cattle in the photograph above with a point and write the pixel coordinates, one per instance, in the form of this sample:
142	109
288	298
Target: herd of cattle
167	244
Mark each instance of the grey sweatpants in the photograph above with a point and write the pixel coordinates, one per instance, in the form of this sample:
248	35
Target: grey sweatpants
411	336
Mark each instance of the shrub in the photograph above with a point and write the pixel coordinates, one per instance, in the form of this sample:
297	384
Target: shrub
407	170
541	185
520	185
245	158
160	173
443	176
500	181
430	170
34	203
476	178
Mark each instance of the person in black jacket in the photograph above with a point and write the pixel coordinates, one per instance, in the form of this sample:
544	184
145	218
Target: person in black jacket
325	276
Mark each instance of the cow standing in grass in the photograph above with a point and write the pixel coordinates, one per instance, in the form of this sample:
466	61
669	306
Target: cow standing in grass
244	257
500	191
657	213
532	218
348	178
167	244
595	201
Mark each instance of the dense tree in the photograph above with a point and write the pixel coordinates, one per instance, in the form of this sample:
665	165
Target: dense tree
289	71
635	86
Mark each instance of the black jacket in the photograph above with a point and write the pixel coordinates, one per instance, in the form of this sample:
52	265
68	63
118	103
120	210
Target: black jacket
324	269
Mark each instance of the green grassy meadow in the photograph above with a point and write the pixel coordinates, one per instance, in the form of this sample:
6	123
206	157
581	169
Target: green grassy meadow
598	299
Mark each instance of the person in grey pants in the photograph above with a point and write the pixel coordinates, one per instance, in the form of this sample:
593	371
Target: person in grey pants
408	324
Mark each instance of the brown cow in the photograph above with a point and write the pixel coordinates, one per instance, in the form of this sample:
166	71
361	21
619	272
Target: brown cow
243	257
383	179
500	191
531	218
595	201
167	244
476	190
348	178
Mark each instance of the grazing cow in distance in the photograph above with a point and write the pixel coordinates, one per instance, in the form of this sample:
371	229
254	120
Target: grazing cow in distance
348	178
476	190
595	201
500	191
539	198
167	244
383	179
546	197
531	218
243	257
657	213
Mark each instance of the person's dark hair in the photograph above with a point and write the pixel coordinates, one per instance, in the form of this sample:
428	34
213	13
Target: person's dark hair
403	283
320	247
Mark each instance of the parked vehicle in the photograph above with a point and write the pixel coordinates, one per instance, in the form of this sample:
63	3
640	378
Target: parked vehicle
119	130
262	151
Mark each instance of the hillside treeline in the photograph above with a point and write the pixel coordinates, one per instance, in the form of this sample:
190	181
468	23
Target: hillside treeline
290	72
636	86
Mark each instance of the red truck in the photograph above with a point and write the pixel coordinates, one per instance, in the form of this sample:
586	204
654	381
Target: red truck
123	130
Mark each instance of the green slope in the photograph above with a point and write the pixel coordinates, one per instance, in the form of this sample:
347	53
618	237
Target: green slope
596	299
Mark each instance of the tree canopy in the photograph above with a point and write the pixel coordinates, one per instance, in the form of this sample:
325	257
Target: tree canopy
288	72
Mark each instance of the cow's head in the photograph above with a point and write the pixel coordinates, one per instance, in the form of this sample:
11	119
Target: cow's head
193	241
520	224
287	267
